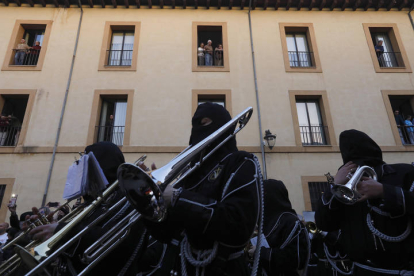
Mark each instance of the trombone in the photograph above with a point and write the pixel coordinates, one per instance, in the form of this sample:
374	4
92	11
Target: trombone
43	254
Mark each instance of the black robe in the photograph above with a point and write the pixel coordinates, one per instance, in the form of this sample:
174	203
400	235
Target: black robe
279	221
356	238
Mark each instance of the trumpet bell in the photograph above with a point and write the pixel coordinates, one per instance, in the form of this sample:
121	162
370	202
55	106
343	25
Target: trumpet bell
142	192
345	194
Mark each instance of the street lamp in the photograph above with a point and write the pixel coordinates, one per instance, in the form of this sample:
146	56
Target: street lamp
270	139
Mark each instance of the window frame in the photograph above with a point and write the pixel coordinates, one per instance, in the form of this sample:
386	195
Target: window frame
305	188
211	92
17	34
322	98
9	182
311	40
110	27
390	113
96	113
394	36
226	50
27	115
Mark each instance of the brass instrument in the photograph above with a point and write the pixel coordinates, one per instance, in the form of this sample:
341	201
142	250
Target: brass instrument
144	191
312	228
43	254
348	193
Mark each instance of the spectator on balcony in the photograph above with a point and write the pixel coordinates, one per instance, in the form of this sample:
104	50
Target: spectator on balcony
4	128
379	50
208	53
109	129
34	53
400	124
21	50
409	128
218	55
200	54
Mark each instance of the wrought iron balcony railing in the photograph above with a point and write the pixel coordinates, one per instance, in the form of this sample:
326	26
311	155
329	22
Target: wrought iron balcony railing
25	57
119	57
406	134
114	134
215	59
9	136
313	135
390	59
300	59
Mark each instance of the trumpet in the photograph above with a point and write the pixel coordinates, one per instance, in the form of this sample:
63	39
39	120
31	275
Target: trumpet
312	228
145	190
348	193
42	254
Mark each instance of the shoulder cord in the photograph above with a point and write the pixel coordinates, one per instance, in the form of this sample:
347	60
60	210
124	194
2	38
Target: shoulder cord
134	254
332	263
387	238
289	238
412	187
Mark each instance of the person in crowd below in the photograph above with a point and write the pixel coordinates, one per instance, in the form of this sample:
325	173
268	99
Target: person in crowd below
15	222
208	53
3	233
109	157
218	55
285	234
400	124
376	231
34	53
379	50
212	213
409	128
4	128
21	50
200	54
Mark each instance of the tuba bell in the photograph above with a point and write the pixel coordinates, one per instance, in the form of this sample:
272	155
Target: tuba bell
348	193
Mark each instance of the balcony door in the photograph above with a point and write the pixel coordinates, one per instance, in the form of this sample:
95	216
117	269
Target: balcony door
122	45
389	57
312	130
298	50
112	121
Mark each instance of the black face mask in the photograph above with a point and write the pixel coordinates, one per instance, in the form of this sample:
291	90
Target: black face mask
219	117
359	148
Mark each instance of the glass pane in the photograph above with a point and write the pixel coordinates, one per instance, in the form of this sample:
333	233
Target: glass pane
119	123
290	39
129	41
314	113
302	115
301	43
39	37
117	39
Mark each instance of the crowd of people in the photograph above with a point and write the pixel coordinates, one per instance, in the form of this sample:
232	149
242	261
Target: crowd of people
223	219
206	54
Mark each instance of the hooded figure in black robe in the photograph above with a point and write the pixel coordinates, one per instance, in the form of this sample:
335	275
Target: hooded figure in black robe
109	157
216	206
284	232
375	233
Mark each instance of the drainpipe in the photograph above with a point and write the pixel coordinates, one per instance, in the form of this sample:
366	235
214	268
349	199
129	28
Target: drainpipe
257	97
63	108
409	15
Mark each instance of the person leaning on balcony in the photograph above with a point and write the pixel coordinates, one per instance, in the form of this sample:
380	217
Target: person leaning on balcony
208	53
409	129
34	53
218	55
400	124
21	50
379	50
376	231
200	54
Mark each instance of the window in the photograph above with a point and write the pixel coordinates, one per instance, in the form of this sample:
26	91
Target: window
312	130
112	120
120	52
120	46
312	121
210	47
15	108
6	187
111	117
313	188
221	97
300	52
11	120
399	106
387	52
28	44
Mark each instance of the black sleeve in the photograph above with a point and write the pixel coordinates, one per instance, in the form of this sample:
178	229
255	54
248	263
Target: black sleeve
14	221
231	220
327	216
